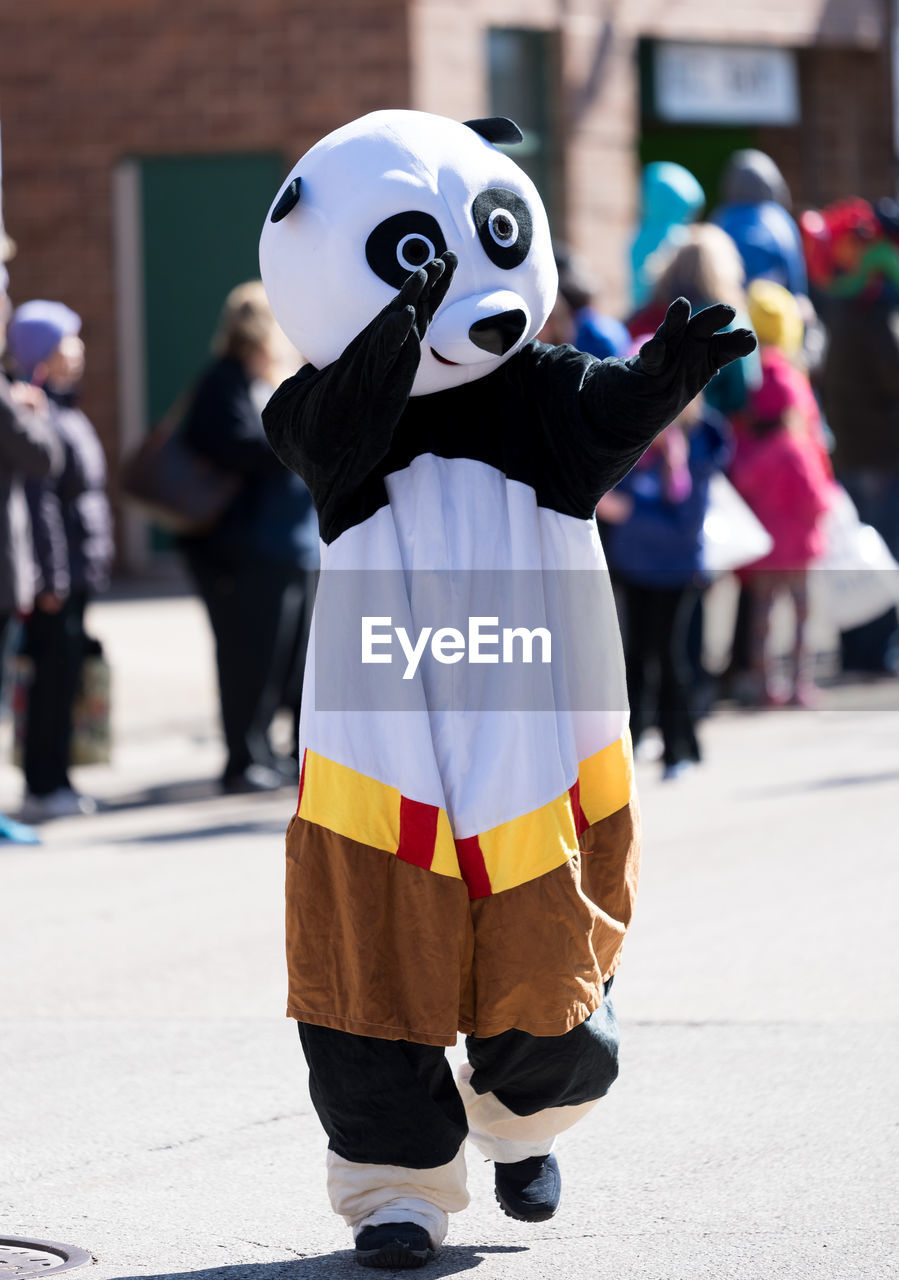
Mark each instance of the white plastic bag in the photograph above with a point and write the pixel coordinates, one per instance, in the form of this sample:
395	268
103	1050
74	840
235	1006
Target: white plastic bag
857	577
732	534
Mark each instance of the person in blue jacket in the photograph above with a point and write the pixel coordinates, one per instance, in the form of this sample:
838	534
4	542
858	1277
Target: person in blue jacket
595	332
754	213
653	542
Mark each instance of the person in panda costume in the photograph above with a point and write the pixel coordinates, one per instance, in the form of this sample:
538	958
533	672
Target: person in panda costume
465	851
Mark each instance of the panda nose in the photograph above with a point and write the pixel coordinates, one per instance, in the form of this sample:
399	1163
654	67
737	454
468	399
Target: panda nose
498	334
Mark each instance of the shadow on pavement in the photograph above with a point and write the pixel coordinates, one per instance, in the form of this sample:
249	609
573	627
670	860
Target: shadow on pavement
452	1260
827	784
187	791
263	828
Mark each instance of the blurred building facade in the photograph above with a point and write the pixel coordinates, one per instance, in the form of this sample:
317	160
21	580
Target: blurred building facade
144	140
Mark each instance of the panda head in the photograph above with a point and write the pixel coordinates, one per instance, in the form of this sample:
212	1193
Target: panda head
382	196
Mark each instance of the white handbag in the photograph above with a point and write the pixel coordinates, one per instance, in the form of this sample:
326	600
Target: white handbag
857	577
732	534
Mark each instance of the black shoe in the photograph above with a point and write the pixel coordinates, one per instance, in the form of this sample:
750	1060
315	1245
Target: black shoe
288	767
256	777
393	1245
529	1190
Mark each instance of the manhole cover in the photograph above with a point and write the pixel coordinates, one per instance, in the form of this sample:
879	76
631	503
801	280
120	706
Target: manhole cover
37	1257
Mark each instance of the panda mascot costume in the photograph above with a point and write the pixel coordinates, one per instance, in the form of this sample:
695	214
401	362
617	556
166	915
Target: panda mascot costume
465	851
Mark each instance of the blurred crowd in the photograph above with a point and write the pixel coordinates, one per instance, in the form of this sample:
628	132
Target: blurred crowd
803	437
253	567
780	441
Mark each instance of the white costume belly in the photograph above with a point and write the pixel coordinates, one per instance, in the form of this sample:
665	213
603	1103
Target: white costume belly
484	742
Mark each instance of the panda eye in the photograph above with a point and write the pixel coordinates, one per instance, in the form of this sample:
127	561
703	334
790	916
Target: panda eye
402	244
504	226
414	251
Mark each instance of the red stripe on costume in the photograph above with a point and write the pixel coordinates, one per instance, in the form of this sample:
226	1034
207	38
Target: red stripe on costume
580	818
302	782
418	832
473	868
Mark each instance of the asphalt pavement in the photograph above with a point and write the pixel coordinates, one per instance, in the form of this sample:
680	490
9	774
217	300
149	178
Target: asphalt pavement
153	1103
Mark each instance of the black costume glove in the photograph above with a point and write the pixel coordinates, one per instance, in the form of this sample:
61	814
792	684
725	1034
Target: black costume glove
626	403
338	422
386	354
686	352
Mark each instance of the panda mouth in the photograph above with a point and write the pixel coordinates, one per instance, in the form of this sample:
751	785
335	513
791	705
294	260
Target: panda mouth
443	359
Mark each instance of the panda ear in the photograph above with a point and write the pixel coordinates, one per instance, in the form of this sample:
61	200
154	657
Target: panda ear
497	129
286	201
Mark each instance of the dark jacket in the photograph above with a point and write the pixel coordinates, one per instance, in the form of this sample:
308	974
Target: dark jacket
859	381
272	518
754	214
29	449
71	517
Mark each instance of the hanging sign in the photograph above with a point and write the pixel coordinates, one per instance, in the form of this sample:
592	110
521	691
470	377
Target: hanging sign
725	84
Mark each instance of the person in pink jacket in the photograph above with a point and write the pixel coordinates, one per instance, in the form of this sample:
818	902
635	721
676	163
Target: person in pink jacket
781	471
776	317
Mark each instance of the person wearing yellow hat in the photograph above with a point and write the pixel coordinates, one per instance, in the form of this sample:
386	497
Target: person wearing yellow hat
777	320
775	316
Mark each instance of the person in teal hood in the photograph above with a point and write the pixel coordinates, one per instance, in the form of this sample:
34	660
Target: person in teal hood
672	198
706	265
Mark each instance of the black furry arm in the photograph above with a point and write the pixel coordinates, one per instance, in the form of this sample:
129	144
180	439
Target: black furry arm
614	409
333	426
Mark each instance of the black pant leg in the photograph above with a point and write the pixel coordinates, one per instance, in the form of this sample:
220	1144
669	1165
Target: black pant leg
249	608
284	600
531	1073
640	657
5	632
384	1101
55	643
740	660
868	647
674	610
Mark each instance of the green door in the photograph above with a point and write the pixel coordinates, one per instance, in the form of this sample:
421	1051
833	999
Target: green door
703	150
201	217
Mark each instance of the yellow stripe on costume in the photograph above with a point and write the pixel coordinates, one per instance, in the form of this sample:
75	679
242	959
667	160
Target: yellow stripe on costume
445	863
537	842
527	847
606	780
371	812
353	805
514	852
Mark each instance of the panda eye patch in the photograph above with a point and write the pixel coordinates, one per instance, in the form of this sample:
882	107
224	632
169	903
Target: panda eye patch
402	244
504	226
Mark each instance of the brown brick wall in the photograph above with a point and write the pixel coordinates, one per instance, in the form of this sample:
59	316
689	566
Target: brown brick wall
786	22
847	139
597	117
602	105
82	86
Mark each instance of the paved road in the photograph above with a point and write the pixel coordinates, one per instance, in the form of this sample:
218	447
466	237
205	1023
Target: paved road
153	1107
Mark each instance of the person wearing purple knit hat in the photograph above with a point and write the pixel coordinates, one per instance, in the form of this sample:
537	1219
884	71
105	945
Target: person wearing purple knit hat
35	332
29	450
73	542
